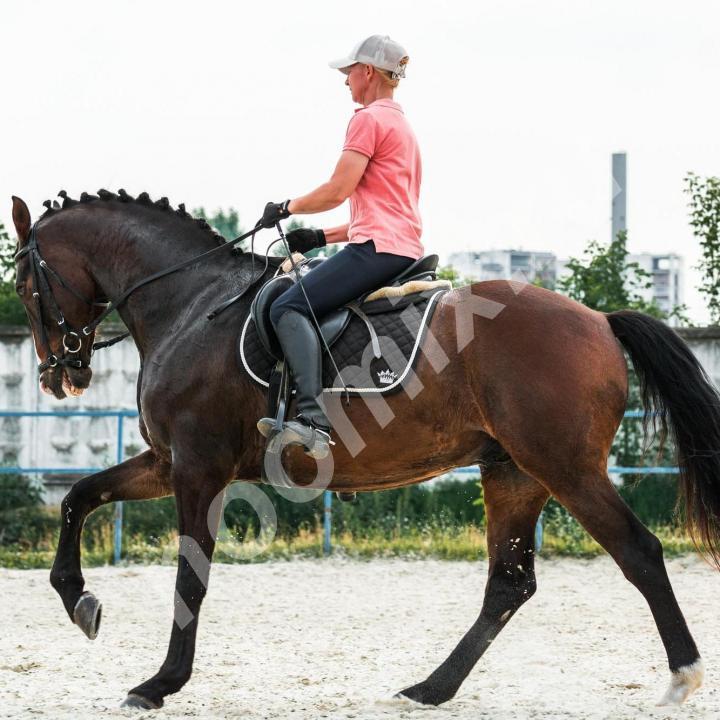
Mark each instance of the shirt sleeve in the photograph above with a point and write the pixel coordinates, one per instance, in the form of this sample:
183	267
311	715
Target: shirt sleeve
362	134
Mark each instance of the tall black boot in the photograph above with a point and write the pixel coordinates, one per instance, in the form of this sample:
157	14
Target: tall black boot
301	347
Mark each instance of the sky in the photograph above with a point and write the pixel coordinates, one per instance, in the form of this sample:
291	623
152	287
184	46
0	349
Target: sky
517	106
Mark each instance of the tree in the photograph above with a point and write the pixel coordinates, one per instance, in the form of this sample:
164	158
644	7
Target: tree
604	280
12	311
7	255
448	272
705	220
224	223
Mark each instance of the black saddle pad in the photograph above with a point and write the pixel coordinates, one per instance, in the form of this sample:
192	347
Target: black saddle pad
366	365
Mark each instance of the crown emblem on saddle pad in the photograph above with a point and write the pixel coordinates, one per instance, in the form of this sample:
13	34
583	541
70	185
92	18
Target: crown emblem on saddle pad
386	377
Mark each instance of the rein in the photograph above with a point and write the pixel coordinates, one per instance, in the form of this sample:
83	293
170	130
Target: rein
72	341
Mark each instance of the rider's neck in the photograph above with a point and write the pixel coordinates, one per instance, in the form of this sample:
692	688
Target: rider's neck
378	92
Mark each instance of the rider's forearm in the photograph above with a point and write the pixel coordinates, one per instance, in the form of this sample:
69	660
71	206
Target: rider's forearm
326	197
337	234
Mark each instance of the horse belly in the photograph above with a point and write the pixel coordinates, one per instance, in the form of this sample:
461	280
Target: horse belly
384	442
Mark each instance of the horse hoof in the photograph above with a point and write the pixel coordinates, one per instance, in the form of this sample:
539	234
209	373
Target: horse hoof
424	694
138	702
87	614
683	683
405	699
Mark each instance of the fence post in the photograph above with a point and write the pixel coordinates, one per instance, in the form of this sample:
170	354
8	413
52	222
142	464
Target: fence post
539	533
327	523
118	505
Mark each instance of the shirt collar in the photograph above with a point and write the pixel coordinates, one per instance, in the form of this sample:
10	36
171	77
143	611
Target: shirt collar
382	102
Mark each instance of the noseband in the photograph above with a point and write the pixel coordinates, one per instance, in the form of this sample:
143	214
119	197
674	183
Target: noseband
72	341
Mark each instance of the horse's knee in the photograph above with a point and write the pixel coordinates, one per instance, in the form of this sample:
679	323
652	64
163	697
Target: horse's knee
74	506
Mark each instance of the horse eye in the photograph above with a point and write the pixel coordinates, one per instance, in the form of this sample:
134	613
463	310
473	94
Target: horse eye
20	288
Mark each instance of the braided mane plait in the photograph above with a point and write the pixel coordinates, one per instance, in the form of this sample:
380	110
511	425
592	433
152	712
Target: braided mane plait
163	204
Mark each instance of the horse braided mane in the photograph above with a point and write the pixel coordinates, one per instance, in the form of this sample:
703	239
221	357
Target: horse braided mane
163	204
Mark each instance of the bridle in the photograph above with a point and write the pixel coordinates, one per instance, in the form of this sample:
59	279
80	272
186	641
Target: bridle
72	341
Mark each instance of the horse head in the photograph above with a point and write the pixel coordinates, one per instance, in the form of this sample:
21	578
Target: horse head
57	292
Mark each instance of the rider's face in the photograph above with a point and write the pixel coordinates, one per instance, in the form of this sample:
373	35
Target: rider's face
358	80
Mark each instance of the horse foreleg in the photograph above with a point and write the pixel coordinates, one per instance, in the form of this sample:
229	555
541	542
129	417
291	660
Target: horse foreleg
513	502
140	478
199	496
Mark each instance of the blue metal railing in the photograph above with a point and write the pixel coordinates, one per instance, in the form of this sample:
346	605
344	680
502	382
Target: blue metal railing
120	415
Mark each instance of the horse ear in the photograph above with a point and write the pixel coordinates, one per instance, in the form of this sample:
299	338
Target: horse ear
21	218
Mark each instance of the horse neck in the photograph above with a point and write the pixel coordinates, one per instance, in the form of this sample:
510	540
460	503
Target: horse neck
128	244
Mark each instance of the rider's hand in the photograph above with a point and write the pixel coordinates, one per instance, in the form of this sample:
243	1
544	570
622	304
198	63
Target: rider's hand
273	213
303	240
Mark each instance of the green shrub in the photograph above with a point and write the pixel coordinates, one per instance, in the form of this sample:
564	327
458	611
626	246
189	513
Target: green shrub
23	519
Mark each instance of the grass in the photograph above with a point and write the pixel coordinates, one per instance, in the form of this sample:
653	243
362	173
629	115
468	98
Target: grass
563	537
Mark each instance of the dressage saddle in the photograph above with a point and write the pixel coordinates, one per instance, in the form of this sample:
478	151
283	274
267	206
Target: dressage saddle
333	324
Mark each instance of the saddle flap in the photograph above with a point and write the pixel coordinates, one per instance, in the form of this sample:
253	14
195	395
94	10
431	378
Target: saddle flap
333	324
260	312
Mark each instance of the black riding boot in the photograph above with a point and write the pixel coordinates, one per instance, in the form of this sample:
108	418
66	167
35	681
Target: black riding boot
301	347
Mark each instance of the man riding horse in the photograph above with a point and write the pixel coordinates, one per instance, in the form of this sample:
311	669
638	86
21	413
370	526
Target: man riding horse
379	171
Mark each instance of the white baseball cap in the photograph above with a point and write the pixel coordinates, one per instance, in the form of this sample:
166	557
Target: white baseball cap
378	50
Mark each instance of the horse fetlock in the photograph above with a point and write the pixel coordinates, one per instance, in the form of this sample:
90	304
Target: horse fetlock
683	683
69	588
166	682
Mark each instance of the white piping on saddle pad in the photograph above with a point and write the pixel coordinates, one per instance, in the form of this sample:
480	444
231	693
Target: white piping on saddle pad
423	324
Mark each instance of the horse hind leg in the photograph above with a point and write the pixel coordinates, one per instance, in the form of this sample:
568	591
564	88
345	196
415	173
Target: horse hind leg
639	554
513	501
140	478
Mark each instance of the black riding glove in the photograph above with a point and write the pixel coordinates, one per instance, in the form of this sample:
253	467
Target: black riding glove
303	240
273	213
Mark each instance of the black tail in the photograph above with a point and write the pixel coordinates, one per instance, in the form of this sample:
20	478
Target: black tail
678	397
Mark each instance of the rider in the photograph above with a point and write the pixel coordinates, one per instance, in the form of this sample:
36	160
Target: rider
379	170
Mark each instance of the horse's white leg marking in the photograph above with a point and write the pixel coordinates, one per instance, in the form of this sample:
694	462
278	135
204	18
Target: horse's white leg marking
683	683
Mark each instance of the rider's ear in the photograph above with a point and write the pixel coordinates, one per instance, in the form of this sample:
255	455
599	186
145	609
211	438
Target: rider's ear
21	218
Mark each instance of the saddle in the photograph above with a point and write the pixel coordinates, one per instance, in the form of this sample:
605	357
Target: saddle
333	324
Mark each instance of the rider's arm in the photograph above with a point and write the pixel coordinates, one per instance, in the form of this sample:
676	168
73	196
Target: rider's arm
337	234
334	192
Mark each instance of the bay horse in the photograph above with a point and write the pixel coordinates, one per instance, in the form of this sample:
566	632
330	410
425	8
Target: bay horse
527	384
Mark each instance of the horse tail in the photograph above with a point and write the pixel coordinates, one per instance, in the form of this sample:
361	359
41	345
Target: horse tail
679	400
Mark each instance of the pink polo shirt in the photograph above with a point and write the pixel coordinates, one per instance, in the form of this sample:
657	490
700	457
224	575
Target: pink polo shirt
384	205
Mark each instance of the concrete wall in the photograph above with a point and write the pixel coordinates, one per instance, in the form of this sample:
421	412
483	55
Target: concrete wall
705	343
65	442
